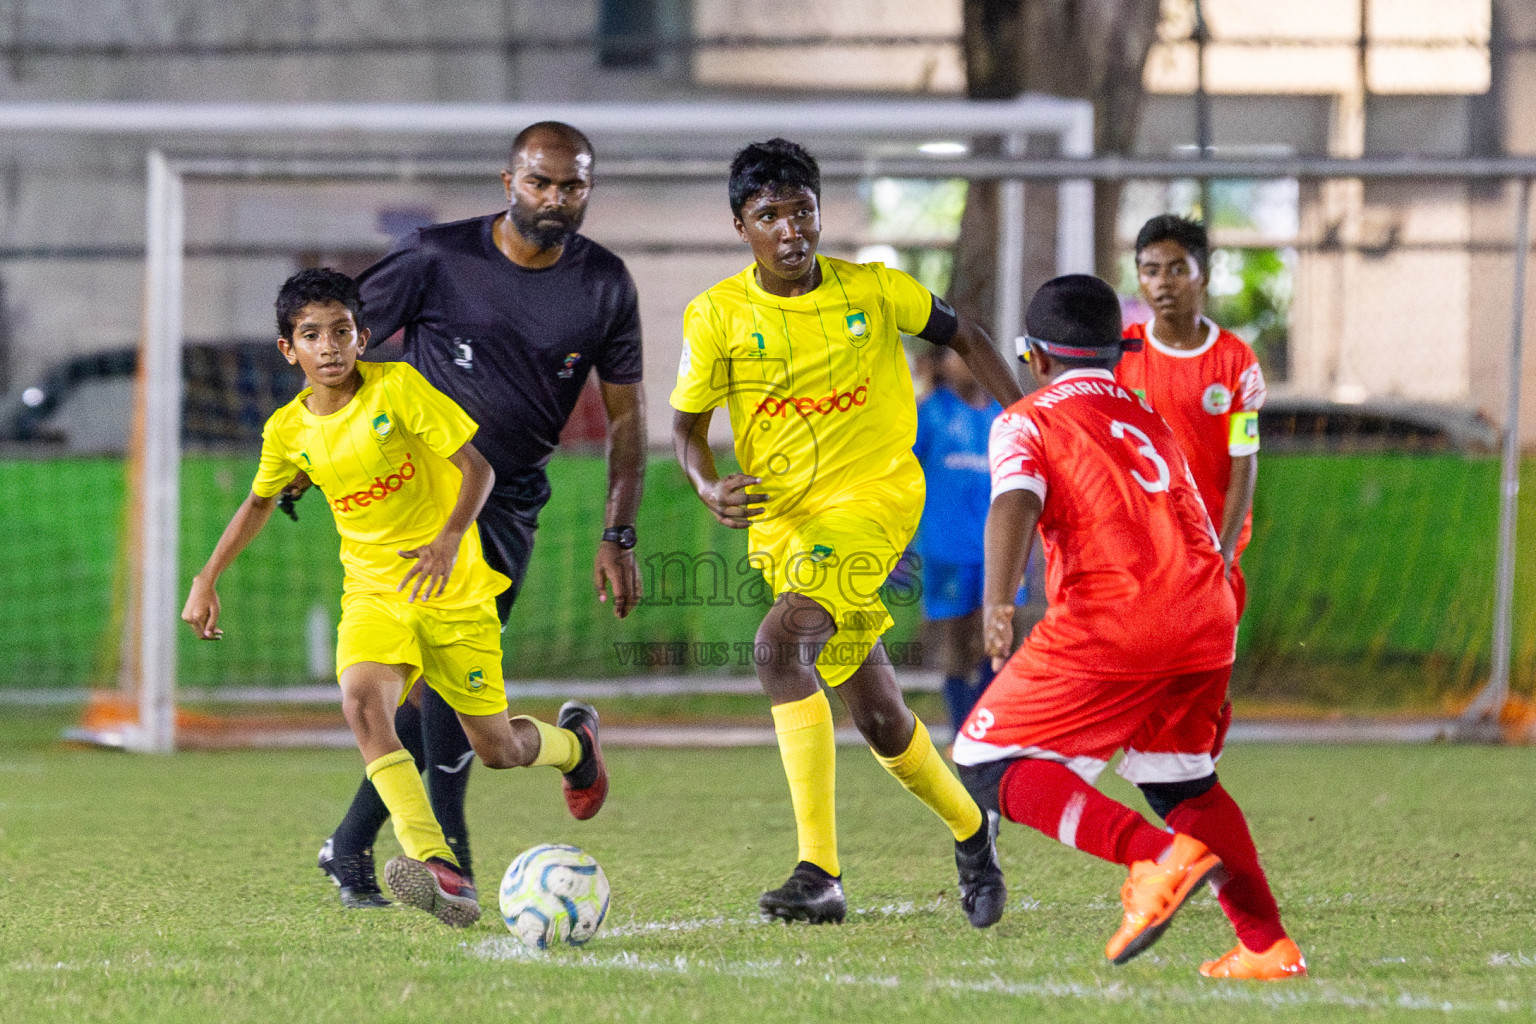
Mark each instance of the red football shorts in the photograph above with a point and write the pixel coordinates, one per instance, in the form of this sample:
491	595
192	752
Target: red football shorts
1167	725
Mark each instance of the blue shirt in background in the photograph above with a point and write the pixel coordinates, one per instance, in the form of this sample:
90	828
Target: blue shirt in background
952	447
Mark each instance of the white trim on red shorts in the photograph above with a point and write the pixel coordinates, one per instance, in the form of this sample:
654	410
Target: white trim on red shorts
1140	767
973	752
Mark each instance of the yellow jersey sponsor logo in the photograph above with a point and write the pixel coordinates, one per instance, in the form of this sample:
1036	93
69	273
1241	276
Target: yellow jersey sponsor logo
381	489
826	405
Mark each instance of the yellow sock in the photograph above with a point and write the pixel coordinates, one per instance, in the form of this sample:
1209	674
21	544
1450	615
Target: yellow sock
399	785
923	772
557	746
804	728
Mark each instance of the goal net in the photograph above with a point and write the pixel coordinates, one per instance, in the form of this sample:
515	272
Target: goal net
1383	522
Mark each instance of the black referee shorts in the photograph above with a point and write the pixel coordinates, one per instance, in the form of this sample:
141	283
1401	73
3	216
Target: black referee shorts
507	523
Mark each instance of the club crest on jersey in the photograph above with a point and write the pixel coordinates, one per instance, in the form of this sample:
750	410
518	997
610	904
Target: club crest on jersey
1216	400
568	370
476	679
820	553
382	427
856	323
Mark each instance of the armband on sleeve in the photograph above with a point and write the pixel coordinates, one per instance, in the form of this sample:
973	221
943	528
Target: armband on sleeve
942	323
1243	434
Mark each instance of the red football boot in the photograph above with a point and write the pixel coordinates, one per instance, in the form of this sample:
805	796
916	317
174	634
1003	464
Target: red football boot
586	785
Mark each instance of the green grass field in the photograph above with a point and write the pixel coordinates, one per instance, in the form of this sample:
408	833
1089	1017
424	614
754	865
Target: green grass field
184	889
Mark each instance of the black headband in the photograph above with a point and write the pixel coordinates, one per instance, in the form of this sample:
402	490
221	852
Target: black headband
1056	348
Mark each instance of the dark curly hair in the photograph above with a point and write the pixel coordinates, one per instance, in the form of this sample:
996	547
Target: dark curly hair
317	284
775	166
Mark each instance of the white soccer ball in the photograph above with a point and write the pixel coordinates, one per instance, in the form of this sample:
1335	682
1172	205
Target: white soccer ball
553	894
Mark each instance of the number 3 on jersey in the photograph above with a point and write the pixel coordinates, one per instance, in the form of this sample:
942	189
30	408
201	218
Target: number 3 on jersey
980	722
1118	430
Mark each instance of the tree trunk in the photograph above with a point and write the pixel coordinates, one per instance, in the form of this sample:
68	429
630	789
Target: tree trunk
1085	49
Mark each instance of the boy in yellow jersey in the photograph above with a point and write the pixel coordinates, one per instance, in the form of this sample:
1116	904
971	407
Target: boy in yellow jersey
393	457
805	353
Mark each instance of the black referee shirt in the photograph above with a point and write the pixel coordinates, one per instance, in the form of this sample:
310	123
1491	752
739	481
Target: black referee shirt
512	346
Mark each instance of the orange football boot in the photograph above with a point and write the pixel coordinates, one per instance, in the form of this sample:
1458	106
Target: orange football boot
1281	961
1155	891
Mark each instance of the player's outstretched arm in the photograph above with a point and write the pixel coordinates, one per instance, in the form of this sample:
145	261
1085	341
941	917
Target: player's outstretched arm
1010	529
435	559
201	611
975	346
614	568
1245	476
729	499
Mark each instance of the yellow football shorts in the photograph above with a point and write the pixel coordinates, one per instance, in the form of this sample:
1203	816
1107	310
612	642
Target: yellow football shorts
457	650
840	559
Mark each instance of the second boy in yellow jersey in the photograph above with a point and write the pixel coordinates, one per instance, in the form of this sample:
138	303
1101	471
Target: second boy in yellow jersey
823	382
394	458
805	354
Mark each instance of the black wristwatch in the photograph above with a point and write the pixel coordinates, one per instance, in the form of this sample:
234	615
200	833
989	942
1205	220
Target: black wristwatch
623	536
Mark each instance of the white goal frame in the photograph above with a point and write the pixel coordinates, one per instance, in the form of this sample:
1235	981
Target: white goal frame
150	647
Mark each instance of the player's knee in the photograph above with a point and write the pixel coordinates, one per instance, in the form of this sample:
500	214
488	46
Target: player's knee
1163	797
887	729
366	712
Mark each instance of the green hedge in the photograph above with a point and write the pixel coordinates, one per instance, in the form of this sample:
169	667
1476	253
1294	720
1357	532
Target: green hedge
1370	580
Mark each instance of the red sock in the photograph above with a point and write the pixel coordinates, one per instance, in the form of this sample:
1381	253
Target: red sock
1048	797
1215	819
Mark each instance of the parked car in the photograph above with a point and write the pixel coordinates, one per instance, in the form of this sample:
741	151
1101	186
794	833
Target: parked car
86	403
1290	423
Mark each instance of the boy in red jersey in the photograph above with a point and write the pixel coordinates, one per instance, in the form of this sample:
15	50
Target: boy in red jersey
1205	381
1134	651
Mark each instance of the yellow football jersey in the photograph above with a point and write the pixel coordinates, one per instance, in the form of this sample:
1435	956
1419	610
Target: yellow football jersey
817	386
382	463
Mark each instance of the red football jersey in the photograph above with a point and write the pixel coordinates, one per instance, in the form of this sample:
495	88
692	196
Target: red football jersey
1133	571
1209	396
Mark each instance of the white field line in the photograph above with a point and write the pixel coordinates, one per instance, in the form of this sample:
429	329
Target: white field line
1511	960
901	909
1310	992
